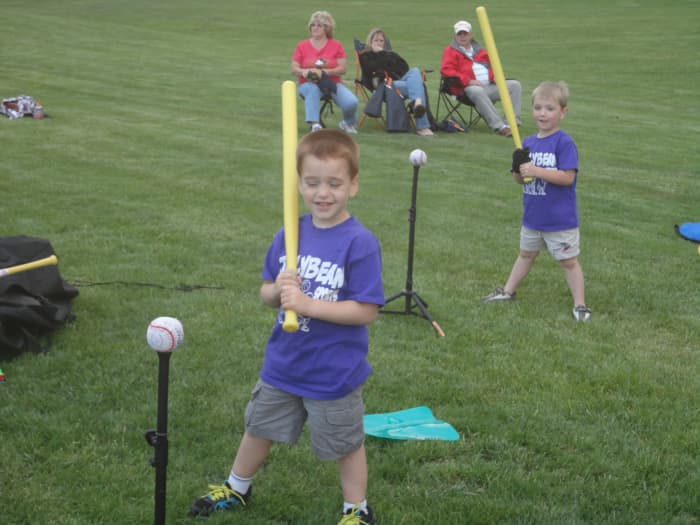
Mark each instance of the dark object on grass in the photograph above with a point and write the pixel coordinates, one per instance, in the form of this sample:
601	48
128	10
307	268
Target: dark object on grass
33	304
451	125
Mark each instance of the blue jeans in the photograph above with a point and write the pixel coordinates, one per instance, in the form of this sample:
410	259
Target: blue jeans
411	86
343	98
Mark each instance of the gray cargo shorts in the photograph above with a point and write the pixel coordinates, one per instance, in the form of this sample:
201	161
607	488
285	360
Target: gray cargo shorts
336	425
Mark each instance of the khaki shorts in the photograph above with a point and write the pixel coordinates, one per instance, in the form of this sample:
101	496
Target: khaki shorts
563	244
336	425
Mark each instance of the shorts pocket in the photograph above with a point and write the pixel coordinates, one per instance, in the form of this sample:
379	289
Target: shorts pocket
251	402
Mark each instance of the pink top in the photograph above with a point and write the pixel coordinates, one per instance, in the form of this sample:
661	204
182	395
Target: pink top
306	55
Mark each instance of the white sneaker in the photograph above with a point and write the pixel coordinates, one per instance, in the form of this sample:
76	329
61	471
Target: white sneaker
582	313
316	127
347	128
499	294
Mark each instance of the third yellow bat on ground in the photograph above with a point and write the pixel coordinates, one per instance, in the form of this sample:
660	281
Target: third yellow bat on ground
51	260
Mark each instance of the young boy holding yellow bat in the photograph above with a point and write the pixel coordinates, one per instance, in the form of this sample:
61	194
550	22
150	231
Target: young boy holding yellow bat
547	166
316	373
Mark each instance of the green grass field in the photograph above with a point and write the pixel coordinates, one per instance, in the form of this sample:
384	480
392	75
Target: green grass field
160	163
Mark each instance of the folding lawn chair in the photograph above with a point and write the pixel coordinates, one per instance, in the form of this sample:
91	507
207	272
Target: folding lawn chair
455	106
326	109
366	84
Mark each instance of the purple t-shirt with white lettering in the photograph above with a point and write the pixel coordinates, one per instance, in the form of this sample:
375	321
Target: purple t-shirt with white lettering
324	360
546	206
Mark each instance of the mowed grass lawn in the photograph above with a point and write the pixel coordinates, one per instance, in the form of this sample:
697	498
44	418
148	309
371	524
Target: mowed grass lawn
160	164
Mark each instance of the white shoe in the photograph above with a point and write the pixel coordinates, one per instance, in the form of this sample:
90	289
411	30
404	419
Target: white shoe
347	128
499	294
425	132
316	127
505	131
582	313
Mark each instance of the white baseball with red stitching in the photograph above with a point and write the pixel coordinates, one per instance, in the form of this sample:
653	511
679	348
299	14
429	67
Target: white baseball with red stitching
418	158
165	334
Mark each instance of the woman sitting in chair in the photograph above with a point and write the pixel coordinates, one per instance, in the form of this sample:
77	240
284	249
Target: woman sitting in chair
378	62
319	62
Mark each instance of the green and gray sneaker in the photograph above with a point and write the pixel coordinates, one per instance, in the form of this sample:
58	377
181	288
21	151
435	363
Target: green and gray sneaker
355	516
219	497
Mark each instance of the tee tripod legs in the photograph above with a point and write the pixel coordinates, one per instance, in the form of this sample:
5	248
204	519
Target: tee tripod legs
412	299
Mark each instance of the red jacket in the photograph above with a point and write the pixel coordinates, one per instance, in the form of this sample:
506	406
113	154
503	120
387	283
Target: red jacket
457	64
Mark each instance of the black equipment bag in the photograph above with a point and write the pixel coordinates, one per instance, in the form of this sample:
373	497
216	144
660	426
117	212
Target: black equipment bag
397	119
373	108
33	303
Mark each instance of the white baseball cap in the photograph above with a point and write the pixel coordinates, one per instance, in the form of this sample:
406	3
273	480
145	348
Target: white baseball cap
463	25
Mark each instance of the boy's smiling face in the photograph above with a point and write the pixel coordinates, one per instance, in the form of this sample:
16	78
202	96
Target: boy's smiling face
326	186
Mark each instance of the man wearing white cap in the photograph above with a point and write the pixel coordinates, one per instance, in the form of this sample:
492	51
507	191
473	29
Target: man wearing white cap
469	63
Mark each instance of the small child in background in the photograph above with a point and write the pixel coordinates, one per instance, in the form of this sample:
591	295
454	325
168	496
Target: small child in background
547	166
315	374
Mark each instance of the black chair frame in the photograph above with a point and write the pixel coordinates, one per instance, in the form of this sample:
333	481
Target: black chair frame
459	107
326	109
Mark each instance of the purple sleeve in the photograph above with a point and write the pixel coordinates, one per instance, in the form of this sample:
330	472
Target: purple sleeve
365	274
567	155
272	264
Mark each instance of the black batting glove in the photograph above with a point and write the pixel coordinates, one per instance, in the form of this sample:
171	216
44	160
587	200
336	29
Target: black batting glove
520	156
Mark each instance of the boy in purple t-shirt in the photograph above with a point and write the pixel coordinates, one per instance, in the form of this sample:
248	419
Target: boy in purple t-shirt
316	373
547	166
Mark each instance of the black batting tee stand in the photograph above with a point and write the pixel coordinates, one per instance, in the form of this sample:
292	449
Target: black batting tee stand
412	300
159	438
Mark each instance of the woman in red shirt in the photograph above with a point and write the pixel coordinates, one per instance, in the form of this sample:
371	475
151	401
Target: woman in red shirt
319	63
